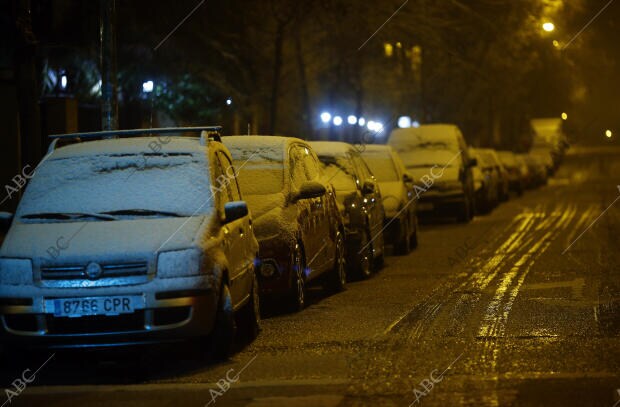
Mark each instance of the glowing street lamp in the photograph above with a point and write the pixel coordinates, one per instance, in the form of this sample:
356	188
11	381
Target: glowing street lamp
351	119
326	117
548	26
147	87
337	120
608	133
564	116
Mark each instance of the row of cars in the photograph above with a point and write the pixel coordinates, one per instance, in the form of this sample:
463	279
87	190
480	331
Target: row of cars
114	245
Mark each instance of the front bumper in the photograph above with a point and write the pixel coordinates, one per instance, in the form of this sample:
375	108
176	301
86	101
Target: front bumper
440	203
179	309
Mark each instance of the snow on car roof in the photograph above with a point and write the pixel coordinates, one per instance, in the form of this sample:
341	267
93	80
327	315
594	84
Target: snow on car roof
376	148
331	148
258	148
135	145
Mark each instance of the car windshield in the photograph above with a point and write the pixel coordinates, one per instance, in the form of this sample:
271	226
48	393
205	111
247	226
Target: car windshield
424	158
118	186
260	177
382	167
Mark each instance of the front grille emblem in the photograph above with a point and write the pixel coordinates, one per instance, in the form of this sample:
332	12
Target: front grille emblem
94	271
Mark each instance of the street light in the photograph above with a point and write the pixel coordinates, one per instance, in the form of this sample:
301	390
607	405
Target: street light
147	87
608	133
351	119
361	122
548	26
326	117
337	120
564	116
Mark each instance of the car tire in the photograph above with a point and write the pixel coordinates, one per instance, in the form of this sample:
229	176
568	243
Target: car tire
364	256
250	319
414	234
224	328
337	278
403	245
298	287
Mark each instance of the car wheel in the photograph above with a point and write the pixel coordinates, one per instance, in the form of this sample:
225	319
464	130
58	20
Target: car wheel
403	246
364	256
298	293
250	314
337	278
414	235
223	333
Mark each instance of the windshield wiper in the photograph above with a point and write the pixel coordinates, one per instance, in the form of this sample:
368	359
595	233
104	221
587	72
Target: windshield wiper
67	216
143	212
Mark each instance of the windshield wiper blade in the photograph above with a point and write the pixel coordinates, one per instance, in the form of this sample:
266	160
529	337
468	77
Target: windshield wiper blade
143	212
63	216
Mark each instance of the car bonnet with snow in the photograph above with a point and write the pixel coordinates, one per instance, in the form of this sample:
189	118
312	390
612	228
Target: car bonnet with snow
381	162
110	198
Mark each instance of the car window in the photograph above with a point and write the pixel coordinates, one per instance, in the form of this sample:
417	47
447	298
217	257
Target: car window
311	166
220	181
229	170
297	164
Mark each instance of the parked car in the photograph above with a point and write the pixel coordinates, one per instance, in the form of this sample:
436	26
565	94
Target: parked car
524	170
500	171
437	157
546	157
486	181
537	169
115	243
512	165
296	218
399	203
359	201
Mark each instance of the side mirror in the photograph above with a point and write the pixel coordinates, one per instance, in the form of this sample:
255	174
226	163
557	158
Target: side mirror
309	190
369	187
408	179
235	210
473	162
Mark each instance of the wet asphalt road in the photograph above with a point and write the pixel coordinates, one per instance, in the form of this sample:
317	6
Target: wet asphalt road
493	313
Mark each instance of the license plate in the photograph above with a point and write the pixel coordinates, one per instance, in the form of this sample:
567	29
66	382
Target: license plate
425	206
87	306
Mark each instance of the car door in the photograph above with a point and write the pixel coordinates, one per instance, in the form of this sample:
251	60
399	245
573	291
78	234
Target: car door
372	200
235	232
306	210
324	226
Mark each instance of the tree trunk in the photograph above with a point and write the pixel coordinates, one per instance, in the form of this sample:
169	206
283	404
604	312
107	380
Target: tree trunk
303	84
275	85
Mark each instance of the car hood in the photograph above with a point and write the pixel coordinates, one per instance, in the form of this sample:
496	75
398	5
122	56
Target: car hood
100	240
393	194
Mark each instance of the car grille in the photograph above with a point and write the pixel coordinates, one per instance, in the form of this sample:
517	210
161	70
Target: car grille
79	272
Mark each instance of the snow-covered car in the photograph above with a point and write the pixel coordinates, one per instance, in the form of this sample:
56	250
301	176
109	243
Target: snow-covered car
130	240
296	219
437	157
516	180
359	202
487	181
399	202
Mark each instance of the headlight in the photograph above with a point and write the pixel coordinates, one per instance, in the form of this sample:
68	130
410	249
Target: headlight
180	263
16	271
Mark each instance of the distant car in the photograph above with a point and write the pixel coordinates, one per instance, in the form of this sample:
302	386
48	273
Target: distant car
487	181
524	170
437	157
514	168
117	243
537	168
500	171
401	219
296	219
546	157
359	201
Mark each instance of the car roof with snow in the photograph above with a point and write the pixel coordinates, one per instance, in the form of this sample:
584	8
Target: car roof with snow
377	148
134	145
259	148
331	148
